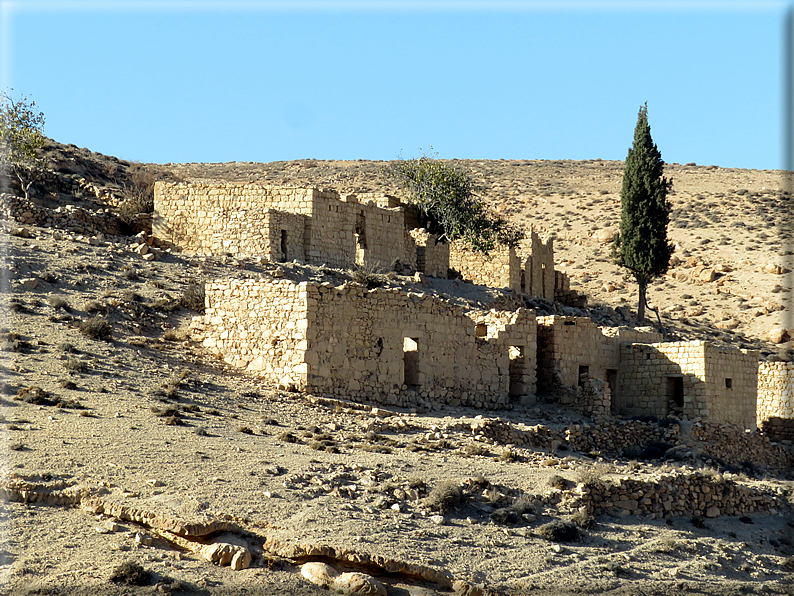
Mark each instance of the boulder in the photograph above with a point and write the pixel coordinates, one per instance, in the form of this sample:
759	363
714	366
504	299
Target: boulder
604	236
777	334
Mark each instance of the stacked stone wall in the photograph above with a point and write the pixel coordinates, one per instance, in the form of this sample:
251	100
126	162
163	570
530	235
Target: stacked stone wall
775	406
539	268
499	269
732	385
431	258
673	494
350	341
244	219
571	346
691	379
260	326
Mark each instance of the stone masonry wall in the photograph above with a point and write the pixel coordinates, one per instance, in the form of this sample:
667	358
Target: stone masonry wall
568	346
242	219
775	406
260	326
431	258
500	269
690	379
381	345
644	388
731	385
539	268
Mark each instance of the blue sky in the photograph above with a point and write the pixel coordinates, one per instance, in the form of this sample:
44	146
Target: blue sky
171	81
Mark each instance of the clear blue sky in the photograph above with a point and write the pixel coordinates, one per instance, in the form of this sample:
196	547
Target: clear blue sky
171	81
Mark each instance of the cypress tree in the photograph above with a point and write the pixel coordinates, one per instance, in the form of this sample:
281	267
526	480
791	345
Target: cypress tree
642	245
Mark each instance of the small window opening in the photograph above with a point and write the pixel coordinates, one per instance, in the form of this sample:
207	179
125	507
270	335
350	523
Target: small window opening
481	330
379	346
569	323
648	356
584	375
728	383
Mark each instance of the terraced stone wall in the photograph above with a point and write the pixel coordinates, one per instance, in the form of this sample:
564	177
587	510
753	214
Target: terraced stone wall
775	407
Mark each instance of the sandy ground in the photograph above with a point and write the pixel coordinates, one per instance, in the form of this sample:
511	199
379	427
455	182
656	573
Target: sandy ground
158	424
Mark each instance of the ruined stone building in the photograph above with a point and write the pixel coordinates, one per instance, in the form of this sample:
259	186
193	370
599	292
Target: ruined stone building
407	348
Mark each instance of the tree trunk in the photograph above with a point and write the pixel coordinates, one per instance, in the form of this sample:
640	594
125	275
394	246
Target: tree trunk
641	306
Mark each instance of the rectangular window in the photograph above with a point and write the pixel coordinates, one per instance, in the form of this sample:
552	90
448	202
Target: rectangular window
411	361
728	383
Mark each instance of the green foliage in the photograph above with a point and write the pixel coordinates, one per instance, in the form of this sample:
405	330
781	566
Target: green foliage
642	246
446	198
21	139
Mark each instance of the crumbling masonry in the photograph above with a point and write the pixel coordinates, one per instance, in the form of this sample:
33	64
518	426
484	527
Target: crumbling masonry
409	349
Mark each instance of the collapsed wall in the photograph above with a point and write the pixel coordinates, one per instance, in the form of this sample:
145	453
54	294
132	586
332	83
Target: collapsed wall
573	354
775	405
383	345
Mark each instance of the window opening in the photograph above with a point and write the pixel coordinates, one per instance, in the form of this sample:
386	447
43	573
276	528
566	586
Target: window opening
411	361
516	371
675	395
283	245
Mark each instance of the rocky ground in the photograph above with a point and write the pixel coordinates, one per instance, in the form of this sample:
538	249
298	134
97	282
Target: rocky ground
114	436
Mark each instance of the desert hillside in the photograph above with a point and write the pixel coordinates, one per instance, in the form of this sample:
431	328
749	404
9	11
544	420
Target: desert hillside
134	462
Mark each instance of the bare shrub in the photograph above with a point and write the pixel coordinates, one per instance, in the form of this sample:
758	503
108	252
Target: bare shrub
96	328
583	520
57	302
130	573
557	481
193	297
444	497
137	192
559	531
73	365
367	275
175	334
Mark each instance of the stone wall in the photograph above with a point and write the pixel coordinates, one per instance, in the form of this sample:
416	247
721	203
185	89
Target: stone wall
499	269
539	269
253	219
380	345
573	352
690	379
261	326
431	258
775	406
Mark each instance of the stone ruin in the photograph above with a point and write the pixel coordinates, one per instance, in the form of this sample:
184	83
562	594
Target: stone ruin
407	348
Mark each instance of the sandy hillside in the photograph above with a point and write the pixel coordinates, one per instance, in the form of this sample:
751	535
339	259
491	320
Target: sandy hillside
109	441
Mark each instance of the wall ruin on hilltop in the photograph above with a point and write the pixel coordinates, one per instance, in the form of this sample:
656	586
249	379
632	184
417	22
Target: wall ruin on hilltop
405	348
